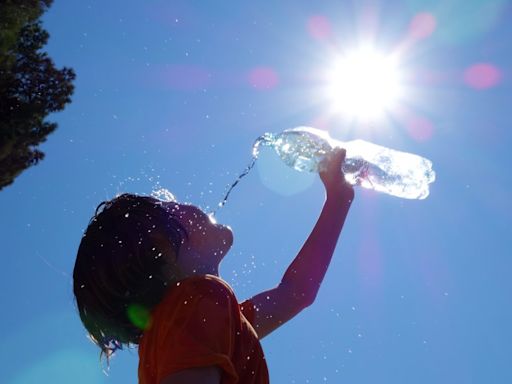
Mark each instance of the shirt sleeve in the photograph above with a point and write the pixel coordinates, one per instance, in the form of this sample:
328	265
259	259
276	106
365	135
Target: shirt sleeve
203	333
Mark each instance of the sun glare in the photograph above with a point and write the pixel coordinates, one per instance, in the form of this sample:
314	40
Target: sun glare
363	84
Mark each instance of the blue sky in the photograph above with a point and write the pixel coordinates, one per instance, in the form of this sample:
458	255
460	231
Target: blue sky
173	94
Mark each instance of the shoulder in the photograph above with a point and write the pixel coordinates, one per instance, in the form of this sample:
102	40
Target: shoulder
212	284
207	300
196	294
206	286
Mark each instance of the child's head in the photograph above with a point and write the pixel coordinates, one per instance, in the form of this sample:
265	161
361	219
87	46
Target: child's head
134	248
125	261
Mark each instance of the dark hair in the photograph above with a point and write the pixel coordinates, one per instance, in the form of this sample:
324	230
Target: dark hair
125	263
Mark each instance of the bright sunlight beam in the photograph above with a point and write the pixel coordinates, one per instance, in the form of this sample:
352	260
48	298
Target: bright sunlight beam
363	84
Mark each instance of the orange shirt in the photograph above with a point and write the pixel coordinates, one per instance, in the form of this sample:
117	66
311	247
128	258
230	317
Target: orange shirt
200	323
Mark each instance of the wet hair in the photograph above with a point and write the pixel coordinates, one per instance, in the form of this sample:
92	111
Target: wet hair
125	263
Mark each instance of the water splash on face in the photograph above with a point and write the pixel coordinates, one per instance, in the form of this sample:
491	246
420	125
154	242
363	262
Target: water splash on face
266	139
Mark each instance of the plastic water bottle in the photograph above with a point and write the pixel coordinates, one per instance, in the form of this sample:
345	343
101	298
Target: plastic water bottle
366	164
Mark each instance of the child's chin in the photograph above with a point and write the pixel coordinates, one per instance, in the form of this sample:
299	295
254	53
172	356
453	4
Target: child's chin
227	239
223	251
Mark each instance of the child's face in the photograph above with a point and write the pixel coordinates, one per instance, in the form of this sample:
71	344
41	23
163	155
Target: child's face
206	244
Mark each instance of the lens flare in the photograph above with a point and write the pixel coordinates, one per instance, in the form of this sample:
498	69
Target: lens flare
139	316
319	27
263	78
482	76
422	25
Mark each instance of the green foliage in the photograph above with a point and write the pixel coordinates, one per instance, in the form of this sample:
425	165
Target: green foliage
30	86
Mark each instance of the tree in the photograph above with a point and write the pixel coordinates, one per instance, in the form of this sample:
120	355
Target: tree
30	86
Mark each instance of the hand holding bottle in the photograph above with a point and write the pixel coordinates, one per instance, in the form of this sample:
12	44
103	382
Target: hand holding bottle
332	176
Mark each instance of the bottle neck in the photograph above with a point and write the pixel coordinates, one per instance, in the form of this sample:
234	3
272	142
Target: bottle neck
266	140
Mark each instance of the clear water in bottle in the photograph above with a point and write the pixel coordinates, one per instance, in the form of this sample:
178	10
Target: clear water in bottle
366	164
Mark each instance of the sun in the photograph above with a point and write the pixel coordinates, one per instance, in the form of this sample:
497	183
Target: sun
363	84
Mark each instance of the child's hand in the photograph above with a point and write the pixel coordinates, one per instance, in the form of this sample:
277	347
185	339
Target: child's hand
332	175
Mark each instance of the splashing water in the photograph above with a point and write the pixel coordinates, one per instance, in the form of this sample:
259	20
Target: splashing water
163	194
265	140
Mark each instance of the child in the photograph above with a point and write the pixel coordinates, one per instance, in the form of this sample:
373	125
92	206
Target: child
146	273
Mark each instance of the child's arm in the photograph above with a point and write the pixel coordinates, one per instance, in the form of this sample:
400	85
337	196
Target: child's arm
301	281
